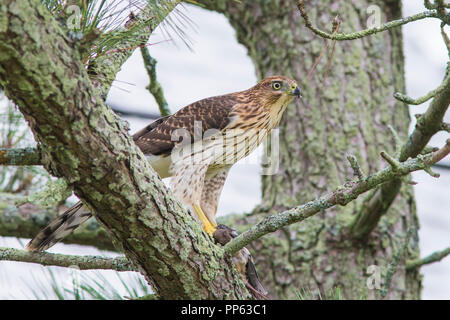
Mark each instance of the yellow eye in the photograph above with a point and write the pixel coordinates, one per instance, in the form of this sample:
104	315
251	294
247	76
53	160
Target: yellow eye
276	85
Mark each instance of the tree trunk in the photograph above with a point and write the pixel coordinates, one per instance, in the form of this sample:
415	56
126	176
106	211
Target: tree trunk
347	114
83	141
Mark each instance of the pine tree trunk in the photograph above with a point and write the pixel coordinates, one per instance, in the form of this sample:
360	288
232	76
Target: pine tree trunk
347	114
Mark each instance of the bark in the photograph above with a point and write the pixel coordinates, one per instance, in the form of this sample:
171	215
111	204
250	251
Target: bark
348	114
84	142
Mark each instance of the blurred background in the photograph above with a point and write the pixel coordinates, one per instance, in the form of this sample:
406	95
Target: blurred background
216	64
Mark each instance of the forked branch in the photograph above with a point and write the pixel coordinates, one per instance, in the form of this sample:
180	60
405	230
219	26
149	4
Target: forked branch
341	196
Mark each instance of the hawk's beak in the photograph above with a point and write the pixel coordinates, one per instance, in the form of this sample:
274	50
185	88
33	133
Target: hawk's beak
295	92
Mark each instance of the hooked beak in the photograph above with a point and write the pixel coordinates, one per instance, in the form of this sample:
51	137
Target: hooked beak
295	92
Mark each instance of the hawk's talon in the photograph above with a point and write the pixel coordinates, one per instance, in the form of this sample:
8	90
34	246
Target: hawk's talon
210	229
207	225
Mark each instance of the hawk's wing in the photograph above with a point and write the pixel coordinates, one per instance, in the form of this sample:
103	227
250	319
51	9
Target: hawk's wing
214	113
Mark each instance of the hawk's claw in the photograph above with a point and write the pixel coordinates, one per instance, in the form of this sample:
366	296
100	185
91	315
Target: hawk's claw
207	225
210	229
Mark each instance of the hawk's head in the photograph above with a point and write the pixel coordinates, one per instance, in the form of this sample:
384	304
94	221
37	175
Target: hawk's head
277	90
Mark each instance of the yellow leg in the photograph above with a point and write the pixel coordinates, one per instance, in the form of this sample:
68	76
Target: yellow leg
207	225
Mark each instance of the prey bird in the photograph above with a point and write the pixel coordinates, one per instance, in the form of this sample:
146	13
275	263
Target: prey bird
196	147
243	262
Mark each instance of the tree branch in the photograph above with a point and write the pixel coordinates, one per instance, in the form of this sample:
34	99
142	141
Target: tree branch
63	260
154	87
427	125
341	196
404	98
366	32
434	257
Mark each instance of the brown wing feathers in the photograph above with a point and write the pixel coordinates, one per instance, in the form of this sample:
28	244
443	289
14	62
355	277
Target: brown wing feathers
213	113
153	139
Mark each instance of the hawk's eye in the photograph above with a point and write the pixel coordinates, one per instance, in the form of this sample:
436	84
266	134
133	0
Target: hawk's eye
276	85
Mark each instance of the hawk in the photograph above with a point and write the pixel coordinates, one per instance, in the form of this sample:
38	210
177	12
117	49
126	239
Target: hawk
196	147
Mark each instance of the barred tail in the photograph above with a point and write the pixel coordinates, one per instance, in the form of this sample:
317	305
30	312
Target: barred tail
59	228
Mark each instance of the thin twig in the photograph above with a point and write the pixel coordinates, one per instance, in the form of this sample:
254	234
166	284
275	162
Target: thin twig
336	26
62	260
365	32
393	162
434	257
445	37
355	166
316	62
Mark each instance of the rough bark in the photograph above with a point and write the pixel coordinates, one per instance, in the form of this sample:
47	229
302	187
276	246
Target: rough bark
84	142
349	114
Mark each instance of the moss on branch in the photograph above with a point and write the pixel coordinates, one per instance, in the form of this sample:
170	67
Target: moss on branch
63	260
341	196
434	257
87	145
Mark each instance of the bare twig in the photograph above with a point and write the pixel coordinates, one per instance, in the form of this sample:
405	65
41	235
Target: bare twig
366	32
62	260
427	125
434	257
393	162
357	172
336	25
342	196
445	37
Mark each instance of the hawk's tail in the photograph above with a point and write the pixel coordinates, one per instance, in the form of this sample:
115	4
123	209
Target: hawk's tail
59	228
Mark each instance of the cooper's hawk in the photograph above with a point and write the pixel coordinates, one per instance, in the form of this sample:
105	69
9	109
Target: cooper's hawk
196	146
